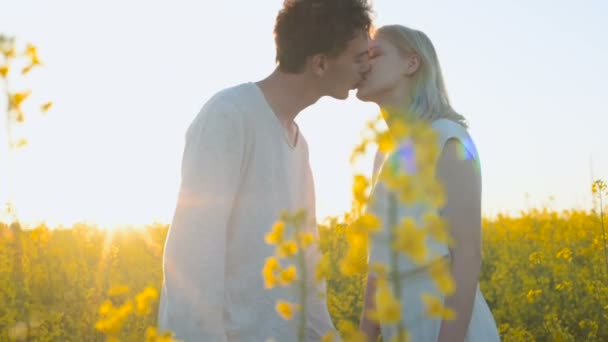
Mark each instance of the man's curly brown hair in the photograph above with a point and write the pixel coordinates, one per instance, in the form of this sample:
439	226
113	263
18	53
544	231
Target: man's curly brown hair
305	28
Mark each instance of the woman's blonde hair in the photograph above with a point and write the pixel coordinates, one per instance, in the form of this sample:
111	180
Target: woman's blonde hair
429	97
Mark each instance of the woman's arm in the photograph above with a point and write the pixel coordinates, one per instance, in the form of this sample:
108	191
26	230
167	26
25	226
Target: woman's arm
369	327
462	185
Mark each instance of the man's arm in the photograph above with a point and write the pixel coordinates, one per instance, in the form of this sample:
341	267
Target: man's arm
195	250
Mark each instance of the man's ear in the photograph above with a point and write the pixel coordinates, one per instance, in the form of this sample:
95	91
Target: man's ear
413	64
319	64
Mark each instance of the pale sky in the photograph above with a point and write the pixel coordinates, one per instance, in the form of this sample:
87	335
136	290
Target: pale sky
127	77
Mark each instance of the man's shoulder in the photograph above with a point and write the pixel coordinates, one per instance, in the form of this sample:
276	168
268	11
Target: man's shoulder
224	106
230	99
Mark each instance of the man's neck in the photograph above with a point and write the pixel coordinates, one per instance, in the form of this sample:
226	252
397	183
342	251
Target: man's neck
288	94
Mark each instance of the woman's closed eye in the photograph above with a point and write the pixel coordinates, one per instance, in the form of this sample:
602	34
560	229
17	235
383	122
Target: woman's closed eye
373	53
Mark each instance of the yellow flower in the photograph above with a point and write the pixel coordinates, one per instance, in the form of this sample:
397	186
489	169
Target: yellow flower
567	285
385	142
4	70
358	151
360	185
367	223
106	308
437	227
434	194
276	234
598	186
144	300
350	333
532	295
16	99
565	253
440	272
287	249
288	275
410	240
113	322
536	258
322	269
355	261
436	309
399	130
22	142
329	337
388	308
306	239
286	310
46	107
268	272
32	53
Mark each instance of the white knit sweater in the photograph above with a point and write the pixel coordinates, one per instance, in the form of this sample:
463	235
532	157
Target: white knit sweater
238	173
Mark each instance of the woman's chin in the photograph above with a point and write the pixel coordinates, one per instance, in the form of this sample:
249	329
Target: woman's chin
363	95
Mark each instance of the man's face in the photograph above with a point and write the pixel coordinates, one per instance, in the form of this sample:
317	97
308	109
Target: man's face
346	70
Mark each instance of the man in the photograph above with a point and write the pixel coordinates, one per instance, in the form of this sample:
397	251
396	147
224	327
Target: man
245	161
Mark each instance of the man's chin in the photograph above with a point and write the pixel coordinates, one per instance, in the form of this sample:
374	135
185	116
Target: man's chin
362	96
341	96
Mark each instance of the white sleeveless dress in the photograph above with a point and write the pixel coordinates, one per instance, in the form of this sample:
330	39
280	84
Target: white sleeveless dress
482	327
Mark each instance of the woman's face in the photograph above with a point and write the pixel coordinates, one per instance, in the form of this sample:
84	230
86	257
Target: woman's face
388	69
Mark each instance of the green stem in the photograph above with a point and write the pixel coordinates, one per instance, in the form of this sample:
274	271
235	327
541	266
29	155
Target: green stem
303	287
603	231
396	279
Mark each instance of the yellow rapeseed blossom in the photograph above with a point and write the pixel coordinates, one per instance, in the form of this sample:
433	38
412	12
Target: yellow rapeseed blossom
410	240
437	227
46	106
286	310
360	186
271	267
435	308
564	253
329	337
16	99
599	186
399	130
275	236
367	223
533	295
439	270
4	70
306	239
322	268
386	142
144	301
287	249
32	52
355	261
288	275
350	333
115	319
388	307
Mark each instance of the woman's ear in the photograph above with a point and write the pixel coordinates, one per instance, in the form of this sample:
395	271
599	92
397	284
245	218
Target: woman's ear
319	64
412	64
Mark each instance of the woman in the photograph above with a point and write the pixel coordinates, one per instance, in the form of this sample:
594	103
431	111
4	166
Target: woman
405	77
